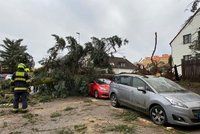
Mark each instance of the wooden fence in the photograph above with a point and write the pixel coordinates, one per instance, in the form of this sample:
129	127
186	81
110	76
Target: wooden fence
191	69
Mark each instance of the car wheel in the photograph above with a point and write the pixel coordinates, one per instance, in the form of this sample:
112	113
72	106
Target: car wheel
158	116
114	101
96	94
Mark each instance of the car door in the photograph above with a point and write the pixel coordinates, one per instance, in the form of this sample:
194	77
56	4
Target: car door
140	98
124	89
91	88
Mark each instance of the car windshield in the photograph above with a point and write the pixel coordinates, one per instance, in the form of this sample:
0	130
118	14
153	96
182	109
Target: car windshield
161	85
103	81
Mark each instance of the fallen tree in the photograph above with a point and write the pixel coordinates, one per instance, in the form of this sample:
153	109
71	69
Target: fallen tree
66	75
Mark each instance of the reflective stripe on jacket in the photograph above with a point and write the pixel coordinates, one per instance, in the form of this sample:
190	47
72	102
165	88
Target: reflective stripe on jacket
20	81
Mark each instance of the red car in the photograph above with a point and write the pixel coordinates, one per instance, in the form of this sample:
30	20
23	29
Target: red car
99	88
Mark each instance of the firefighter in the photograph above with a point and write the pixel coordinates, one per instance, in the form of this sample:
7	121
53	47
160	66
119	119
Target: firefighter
20	81
27	70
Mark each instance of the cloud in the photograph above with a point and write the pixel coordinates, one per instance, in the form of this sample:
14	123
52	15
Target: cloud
36	20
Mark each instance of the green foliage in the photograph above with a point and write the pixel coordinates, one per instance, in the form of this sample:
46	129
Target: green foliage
128	116
5	93
45	98
14	53
5	86
61	77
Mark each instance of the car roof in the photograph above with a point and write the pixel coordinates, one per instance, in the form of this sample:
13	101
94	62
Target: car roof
137	75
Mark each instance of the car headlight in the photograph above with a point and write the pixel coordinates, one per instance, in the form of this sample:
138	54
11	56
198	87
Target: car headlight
176	103
104	89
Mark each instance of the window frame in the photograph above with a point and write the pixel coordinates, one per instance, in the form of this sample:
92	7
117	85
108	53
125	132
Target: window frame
187	57
147	87
187	36
122	64
116	79
125	84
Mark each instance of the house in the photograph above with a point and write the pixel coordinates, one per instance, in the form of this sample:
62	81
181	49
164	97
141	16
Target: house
121	65
163	60
188	35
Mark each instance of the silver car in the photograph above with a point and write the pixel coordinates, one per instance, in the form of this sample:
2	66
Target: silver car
162	99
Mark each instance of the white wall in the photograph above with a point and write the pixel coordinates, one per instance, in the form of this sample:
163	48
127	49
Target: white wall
178	48
118	70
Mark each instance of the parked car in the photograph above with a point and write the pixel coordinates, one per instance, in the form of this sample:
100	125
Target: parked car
8	77
162	99
99	88
1	77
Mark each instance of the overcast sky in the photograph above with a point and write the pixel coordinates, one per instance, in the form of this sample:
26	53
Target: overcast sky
137	20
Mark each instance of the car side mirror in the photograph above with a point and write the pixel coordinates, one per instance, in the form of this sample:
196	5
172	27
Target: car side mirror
141	89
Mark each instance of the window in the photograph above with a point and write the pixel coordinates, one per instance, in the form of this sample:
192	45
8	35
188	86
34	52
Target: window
125	80
138	83
122	64
187	39
116	79
103	81
187	57
198	56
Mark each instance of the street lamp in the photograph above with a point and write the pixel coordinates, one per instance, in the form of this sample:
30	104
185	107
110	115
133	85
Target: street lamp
78	36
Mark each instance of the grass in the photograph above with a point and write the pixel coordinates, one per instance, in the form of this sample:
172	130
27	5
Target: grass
31	117
87	100
7	105
128	116
63	131
35	99
5	100
87	109
87	105
53	119
122	128
16	132
28	116
45	99
35	129
55	114
80	128
68	108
